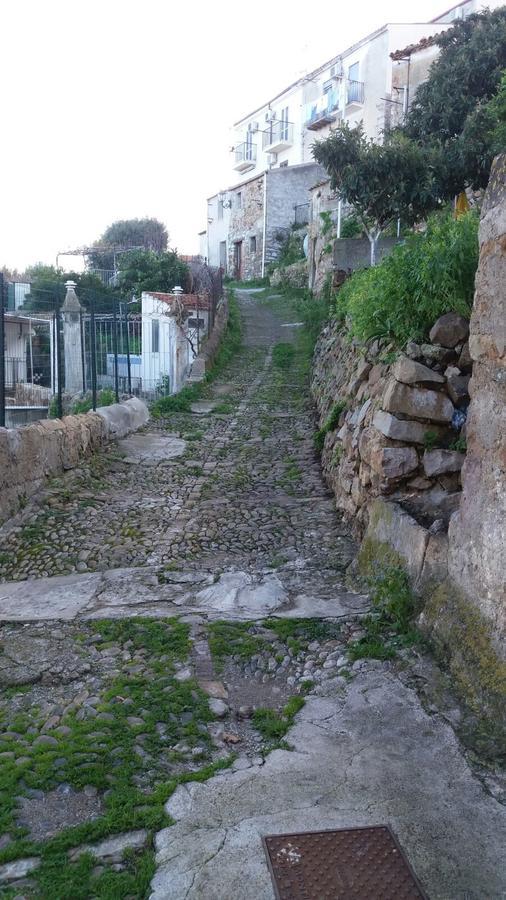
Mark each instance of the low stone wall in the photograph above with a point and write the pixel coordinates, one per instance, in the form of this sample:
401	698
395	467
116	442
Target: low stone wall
203	362
390	422
29	455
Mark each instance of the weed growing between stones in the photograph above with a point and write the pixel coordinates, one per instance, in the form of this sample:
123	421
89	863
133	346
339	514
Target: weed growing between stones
130	746
232	639
390	627
330	424
283	355
273	725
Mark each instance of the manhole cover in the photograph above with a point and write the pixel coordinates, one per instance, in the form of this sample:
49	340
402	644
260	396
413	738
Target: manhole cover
347	864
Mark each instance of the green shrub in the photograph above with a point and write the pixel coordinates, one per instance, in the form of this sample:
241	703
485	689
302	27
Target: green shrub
330	424
428	275
351	227
283	355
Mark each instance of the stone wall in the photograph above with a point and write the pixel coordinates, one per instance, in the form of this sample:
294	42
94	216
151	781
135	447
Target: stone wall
29	455
477	560
204	361
391	423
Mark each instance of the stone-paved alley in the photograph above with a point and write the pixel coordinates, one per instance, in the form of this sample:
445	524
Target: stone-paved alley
179	640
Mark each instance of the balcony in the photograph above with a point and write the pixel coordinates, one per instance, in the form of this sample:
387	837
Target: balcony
322	111
278	137
245	157
354	93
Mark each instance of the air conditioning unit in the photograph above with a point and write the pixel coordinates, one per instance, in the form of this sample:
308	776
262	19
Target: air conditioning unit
336	71
253	126
270	116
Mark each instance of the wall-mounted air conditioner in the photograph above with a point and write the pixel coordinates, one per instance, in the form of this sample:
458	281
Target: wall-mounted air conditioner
336	71
253	126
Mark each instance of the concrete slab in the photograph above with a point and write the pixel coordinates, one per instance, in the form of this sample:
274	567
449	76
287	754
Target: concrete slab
201	407
60	597
239	591
369	757
151	449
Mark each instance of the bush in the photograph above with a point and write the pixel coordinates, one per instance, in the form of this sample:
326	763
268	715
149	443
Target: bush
293	276
428	275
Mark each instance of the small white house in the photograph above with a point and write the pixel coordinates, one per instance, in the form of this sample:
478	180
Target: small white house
173	326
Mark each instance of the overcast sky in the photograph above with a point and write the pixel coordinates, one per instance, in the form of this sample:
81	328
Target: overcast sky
116	109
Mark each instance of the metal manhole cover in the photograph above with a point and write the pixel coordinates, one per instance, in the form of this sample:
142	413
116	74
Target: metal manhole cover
347	864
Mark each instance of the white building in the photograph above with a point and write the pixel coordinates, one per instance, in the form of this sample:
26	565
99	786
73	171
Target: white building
368	82
173	326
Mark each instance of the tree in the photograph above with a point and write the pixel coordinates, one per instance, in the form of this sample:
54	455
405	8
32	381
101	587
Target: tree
150	234
453	110
48	288
144	270
383	182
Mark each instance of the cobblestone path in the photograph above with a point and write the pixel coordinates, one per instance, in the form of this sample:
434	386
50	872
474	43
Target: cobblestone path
246	491
182	666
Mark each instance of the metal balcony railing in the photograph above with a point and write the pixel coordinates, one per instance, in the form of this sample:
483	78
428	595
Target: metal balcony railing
278	133
246	153
354	92
322	111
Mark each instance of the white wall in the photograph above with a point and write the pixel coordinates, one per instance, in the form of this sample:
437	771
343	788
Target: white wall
175	355
218	219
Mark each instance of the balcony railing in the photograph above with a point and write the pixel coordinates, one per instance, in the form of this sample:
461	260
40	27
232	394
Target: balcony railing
245	157
354	92
278	136
322	111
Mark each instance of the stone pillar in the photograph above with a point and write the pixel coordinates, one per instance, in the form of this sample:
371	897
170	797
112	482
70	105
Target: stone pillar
477	534
72	341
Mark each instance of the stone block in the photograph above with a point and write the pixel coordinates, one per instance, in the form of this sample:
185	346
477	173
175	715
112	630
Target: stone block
401	429
458	389
410	372
465	363
390	527
387	461
439	462
436	354
418	403
449	330
435	563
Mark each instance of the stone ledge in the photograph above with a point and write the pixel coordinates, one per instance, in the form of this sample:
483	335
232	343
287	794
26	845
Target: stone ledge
31	454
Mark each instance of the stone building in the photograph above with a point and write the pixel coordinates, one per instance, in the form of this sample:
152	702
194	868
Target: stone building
261	213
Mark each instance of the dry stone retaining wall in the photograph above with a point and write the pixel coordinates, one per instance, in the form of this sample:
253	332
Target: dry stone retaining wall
395	437
29	455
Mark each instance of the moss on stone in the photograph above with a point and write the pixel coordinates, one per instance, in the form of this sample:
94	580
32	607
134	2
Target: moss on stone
464	639
376	556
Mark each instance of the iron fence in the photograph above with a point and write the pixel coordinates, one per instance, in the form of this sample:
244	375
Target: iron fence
62	353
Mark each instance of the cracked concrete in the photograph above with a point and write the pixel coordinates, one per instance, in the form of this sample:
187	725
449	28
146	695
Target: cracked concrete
367	756
119	593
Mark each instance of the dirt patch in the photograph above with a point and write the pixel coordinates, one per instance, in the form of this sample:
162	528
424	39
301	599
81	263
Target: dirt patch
45	814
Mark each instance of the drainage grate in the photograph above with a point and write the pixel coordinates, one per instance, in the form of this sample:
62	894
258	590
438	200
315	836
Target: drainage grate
347	864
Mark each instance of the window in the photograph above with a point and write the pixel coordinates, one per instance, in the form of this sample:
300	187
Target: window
238	200
353	72
284	124
253	244
220	209
155	336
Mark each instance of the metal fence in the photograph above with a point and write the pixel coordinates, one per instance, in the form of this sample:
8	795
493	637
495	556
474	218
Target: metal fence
62	353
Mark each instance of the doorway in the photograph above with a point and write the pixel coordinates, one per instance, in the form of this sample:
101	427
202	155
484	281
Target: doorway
238	260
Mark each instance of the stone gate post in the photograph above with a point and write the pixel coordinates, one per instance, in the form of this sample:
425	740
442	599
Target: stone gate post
72	340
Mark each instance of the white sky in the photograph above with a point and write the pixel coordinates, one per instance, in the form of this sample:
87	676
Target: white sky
116	109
